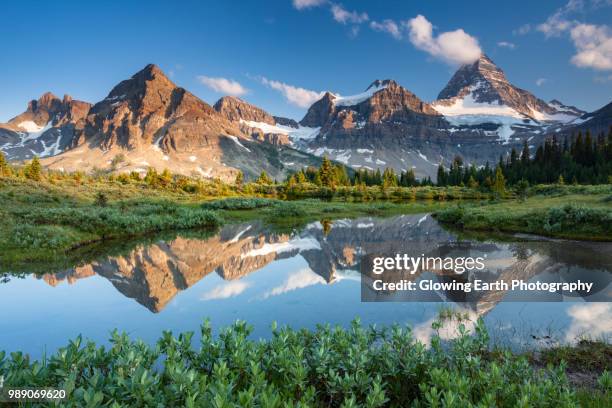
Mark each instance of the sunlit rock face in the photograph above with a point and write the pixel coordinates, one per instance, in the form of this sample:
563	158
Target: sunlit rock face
154	274
46	128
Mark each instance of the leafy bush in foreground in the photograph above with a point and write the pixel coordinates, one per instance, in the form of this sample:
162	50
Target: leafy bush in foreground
330	367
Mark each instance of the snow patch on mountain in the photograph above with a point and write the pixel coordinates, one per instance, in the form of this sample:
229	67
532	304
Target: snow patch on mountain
468	106
299	133
30	126
357	99
35	131
235	139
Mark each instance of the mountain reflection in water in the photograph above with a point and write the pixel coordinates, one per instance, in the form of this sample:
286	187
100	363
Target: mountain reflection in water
154	274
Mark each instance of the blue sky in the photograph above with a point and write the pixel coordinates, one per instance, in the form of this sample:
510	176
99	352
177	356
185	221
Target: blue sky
267	50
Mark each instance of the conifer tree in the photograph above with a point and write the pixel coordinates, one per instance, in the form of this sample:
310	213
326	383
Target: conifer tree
5	168
264	178
326	173
33	170
499	185
239	180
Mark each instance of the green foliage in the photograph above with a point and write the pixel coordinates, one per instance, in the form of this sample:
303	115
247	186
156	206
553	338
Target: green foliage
239	179
5	168
239	203
582	159
499	184
264	178
521	189
591	219
117	221
33	170
26	235
327	367
570	216
101	199
452	215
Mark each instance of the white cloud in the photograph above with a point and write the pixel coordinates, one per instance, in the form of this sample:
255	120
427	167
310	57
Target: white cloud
593	46
298	280
522	30
223	85
295	95
226	290
344	16
541	81
603	79
304	4
387	26
354	32
592	320
593	43
449	327
506	44
455	47
558	22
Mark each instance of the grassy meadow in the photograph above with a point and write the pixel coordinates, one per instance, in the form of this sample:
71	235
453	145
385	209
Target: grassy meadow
60	219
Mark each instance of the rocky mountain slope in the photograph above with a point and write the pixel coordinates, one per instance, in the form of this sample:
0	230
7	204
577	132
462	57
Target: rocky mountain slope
482	88
479	115
148	121
46	128
599	121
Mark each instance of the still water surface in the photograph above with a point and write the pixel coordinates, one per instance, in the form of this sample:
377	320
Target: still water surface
300	278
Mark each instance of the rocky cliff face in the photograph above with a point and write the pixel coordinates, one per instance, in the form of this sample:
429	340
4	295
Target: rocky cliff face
384	126
382	102
235	109
479	115
251	120
151	122
46	128
148	108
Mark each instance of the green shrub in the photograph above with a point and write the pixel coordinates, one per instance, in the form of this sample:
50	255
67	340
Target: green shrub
327	367
452	215
123	220
571	216
37	237
239	203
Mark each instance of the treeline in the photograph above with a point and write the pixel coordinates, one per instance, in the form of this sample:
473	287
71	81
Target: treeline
581	159
578	160
335	175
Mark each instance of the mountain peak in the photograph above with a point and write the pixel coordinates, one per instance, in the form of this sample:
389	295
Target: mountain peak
381	83
151	69
483	73
143	85
235	109
484	88
46	100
